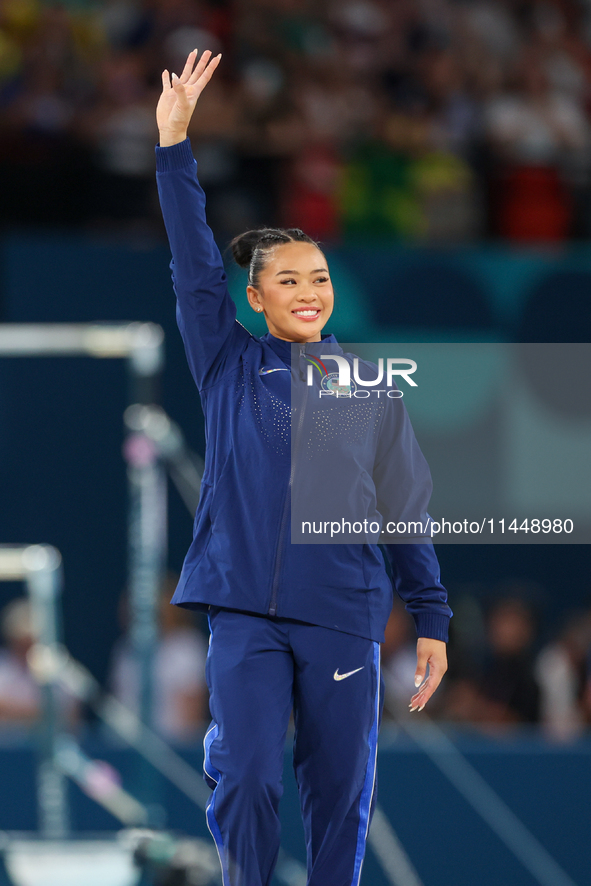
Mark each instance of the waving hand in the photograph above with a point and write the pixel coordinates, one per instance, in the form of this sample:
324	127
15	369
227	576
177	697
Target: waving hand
180	94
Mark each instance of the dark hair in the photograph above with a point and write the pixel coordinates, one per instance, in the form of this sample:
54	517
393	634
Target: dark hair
249	249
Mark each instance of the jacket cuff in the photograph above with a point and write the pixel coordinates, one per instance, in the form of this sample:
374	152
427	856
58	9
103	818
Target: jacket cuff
432	625
174	157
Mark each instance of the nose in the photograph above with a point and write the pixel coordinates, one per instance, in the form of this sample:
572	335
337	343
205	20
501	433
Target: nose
307	296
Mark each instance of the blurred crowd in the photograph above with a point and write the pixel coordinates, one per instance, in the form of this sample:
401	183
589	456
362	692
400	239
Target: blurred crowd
437	120
179	691
506	668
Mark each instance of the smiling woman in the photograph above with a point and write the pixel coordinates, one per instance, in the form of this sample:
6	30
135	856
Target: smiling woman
293	626
288	297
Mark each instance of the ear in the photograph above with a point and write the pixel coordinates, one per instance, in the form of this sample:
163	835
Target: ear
254	299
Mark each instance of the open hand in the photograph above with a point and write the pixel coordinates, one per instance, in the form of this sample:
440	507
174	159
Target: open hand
434	654
180	94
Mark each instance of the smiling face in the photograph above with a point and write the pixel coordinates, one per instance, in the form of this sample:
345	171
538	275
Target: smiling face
294	291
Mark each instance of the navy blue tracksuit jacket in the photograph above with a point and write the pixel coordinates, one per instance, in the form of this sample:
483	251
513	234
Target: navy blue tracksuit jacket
292	625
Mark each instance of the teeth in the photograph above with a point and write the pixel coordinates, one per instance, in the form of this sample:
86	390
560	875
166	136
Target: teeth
306	313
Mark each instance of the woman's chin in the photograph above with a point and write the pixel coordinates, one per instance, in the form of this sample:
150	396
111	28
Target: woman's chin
306	330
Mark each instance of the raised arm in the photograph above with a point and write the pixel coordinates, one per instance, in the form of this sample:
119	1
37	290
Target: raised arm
205	312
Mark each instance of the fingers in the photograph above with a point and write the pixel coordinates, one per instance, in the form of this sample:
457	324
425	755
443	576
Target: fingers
181	93
422	659
200	67
208	72
431	653
203	71
187	70
421	698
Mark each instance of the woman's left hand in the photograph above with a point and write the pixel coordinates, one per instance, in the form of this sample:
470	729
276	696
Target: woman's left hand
434	654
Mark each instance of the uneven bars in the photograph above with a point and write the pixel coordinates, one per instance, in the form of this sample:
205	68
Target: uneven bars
142	342
40	567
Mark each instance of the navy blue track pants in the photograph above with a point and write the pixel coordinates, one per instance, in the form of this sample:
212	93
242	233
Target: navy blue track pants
258	669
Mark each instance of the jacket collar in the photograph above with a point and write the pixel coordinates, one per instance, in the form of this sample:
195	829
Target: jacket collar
283	348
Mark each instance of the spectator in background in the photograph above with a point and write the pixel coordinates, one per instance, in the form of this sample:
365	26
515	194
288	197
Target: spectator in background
309	200
20	695
536	134
44	79
494	683
120	135
508	685
561	670
180	693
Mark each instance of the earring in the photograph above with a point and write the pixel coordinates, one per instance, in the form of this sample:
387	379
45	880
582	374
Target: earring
258	309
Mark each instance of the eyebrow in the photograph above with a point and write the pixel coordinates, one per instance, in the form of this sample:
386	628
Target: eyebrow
316	271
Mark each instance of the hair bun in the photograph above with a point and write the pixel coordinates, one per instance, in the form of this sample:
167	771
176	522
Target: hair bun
244	245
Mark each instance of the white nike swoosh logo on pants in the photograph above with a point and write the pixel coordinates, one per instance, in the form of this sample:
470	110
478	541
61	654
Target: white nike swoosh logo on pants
338	676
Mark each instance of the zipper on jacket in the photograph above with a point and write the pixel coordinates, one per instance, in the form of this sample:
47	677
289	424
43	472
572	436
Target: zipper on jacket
287	502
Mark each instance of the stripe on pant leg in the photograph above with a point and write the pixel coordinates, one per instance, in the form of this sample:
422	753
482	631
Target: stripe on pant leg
215	832
212	777
370	777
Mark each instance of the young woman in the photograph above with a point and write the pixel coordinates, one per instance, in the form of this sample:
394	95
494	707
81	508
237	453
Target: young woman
292	626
